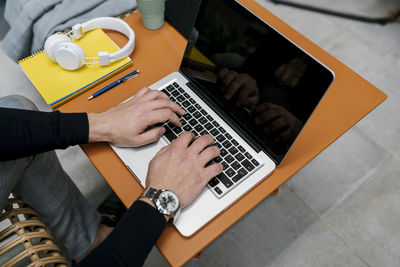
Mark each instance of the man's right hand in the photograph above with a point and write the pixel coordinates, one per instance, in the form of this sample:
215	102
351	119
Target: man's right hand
180	167
125	124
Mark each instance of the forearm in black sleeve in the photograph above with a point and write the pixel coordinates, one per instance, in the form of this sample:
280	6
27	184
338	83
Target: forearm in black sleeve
25	132
131	240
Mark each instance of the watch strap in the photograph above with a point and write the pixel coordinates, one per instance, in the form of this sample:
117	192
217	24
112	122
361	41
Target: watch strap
151	194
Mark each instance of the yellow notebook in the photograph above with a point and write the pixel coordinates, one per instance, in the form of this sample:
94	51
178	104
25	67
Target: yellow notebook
57	85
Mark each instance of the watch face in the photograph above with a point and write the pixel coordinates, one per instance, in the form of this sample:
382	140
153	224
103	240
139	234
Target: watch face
168	202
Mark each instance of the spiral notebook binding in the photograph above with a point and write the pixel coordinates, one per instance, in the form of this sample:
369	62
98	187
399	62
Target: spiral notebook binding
34	53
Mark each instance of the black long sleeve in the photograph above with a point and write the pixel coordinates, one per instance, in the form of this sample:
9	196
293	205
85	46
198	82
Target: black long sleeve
25	132
131	240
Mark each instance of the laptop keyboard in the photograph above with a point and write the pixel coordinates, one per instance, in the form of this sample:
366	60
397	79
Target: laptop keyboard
237	162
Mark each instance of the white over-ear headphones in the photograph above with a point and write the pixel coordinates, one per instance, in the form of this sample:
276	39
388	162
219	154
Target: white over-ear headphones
60	48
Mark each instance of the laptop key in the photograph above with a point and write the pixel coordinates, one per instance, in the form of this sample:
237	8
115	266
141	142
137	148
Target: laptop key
177	130
187	116
185	104
223	152
233	150
181	90
230	172
176	84
236	165
241	173
255	162
229	159
199	128
234	142
193	122
216	124
191	109
247	154
198	106
204	112
222	130
216	189
239	157
220	138
186	95
187	128
197	114
175	93
227	144
213	182
214	132
170	125
210	118
227	135
169	134
170	88
225	180
181	99
224	165
248	165
241	149
208	126
203	120
192	101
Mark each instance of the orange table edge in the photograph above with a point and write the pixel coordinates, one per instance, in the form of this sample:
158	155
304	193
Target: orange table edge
158	53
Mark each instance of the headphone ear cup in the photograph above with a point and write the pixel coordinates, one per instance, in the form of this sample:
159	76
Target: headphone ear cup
69	55
52	42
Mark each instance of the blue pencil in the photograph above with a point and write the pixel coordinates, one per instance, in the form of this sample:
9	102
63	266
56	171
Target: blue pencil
117	82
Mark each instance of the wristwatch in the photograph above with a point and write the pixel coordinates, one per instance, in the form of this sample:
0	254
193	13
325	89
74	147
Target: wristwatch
167	203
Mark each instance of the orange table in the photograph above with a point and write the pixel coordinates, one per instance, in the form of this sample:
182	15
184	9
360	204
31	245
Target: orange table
158	53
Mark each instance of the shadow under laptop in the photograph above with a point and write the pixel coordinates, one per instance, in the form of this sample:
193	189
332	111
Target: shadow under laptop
263	236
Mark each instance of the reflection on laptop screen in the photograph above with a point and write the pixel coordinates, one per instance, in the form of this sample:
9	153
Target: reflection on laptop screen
262	80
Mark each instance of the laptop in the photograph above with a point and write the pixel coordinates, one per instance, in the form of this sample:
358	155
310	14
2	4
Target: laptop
248	86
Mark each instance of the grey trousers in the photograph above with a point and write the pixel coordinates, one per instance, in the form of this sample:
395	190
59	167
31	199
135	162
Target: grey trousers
41	183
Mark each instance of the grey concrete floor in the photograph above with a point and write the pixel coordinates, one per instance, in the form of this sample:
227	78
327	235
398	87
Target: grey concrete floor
343	208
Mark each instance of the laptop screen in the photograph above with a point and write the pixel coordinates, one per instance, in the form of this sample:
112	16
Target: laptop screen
262	81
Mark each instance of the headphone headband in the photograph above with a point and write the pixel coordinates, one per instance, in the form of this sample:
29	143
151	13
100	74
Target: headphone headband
52	44
108	23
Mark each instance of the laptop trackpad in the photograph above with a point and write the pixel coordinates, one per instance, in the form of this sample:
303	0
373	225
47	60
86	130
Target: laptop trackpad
138	159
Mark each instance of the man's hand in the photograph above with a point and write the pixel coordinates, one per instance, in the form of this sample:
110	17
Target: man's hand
124	125
180	167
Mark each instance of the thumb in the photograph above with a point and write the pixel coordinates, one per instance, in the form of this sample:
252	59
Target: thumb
151	136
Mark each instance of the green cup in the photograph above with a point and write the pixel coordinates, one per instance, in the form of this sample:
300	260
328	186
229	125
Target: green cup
152	12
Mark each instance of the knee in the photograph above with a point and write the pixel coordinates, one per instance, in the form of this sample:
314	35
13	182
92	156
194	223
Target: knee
17	101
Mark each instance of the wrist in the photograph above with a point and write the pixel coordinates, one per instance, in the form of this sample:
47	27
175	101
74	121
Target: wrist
97	131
